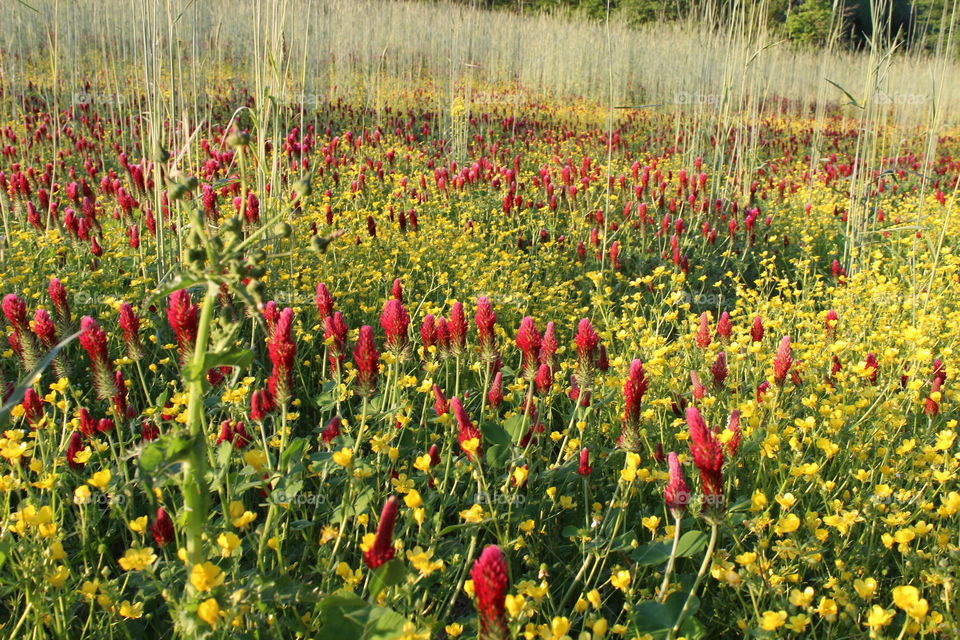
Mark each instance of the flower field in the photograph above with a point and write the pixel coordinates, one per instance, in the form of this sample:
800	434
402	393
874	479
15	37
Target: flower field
344	370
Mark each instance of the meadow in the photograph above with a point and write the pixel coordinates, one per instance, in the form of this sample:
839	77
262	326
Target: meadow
323	321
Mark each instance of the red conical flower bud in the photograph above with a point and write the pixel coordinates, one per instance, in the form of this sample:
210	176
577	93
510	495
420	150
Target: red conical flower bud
162	528
756	332
367	359
676	493
584	469
490	584
466	429
782	361
74	445
382	550
703	333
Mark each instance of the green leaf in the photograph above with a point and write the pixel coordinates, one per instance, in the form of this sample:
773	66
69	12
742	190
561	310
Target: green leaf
495	434
651	554
240	358
294	451
497	456
657	619
513	426
165	450
386	576
345	615
691	543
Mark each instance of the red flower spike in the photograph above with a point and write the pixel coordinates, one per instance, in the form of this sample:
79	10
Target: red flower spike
74	445
708	458
724	327
458	330
466	429
782	361
382	550
324	301
282	351
490	584
162	528
182	315
756	332
634	387
528	341
676	493
584	469
94	342
703	333
367	360
130	325
440	404
495	394
395	323
486	319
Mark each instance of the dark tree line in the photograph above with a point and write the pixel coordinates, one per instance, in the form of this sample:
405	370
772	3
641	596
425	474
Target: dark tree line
917	23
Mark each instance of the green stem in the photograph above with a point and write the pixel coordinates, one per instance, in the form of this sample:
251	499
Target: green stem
707	557
195	490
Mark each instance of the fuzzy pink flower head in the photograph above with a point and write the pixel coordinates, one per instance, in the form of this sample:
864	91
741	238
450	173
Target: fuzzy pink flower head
458	329
584	469
756	331
15	310
58	295
397	290
587	341
440	404
528	341
831	321
549	346
707	455
782	360
44	328
495	394
634	389
733	426
130	325
544	379
698	389
182	315
332	430
395	322
443	337
335	329
490	583
703	333
467	431
871	366
719	369
486	320
32	406
162	528
428	334
282	351
382	550
676	493
724	326
324	301
74	445
93	340
367	360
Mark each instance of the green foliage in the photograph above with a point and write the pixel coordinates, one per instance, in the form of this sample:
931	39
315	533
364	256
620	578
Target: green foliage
810	23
